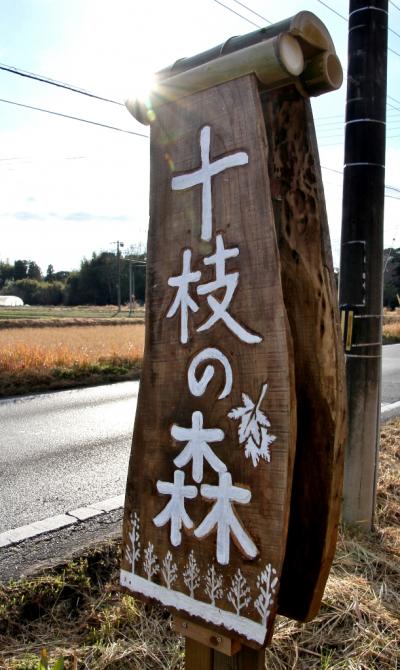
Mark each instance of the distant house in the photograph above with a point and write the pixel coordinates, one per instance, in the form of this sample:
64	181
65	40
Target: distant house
10	301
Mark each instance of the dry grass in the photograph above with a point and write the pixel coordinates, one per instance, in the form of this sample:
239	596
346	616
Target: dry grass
78	611
31	358
391	326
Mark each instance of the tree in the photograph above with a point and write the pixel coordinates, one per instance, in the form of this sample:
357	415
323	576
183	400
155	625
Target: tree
34	271
391	278
20	269
6	273
49	273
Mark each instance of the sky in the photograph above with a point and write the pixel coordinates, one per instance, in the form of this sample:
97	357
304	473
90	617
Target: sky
70	188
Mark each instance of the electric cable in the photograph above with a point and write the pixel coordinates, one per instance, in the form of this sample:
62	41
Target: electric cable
260	16
74	118
54	82
237	13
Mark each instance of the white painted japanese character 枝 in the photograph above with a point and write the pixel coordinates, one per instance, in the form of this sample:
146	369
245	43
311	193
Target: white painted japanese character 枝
229	282
182	300
222	517
197	448
175	511
204	175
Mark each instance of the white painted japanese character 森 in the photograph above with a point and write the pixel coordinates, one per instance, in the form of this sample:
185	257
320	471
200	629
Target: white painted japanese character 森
253	428
175	511
222	517
229	282
197	387
182	299
203	176
197	448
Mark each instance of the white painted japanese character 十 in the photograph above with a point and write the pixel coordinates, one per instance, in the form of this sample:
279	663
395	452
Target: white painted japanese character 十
203	176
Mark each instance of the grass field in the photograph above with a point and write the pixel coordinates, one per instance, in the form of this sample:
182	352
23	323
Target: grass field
77	611
52	357
61	347
79	312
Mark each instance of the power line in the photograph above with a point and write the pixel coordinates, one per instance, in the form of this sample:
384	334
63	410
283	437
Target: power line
260	16
74	118
332	10
54	82
237	14
394	5
387	186
345	19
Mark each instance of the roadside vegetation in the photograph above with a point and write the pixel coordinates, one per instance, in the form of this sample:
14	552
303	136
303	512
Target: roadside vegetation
78	613
33	359
391	326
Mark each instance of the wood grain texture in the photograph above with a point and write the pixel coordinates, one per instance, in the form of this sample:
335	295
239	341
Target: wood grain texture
243	217
312	306
245	659
201	657
198	656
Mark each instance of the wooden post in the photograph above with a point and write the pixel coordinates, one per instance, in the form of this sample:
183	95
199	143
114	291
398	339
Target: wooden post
199	656
362	252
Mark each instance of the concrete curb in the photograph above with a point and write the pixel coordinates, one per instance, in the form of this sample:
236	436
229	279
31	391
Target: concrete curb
390	411
16	535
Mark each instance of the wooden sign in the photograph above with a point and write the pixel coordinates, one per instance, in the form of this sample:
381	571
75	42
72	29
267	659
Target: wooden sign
209	481
234	485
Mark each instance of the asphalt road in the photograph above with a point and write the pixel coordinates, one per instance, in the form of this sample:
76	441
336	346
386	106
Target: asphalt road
391	373
60	451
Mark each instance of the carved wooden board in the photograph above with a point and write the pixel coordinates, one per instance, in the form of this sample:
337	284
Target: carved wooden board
210	474
312	306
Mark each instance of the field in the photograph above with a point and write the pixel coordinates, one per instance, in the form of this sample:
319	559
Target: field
80	312
77	611
33	358
61	347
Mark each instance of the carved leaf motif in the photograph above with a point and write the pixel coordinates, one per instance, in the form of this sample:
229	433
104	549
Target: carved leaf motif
253	428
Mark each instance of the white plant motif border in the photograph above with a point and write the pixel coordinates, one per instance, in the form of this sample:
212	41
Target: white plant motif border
211	585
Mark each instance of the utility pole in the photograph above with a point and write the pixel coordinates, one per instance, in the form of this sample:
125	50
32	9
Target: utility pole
119	244
361	265
132	264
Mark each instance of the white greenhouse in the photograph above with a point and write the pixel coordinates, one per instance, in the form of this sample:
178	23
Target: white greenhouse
10	301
